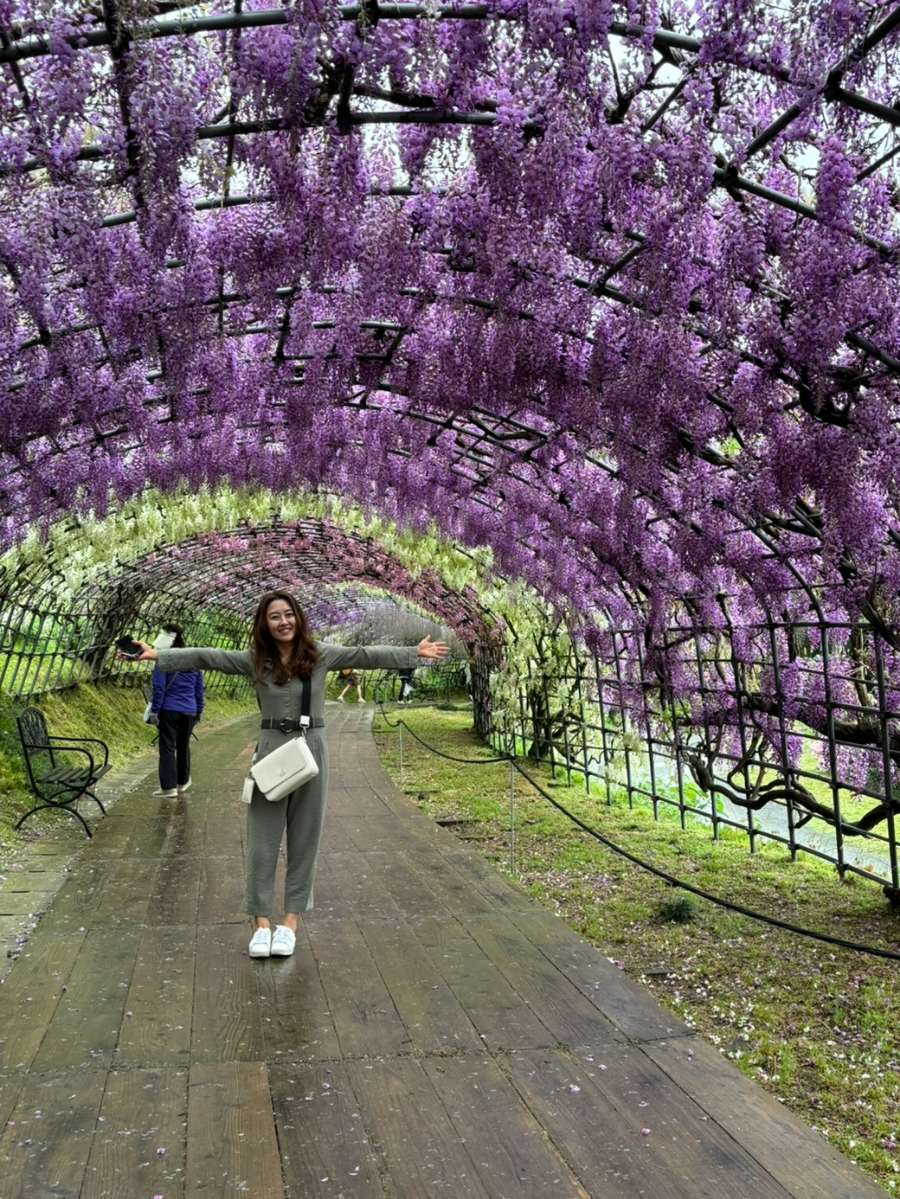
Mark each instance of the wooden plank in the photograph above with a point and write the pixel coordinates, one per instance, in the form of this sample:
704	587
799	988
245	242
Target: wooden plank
404	806
383	990
112	834
31	993
86	1025
328	898
413	893
22	902
132	871
369	764
138	1145
280	870
357	803
79	897
630	1008
133	801
148	835
29	891
57	848
226	827
221	890
159	1003
43	873
805	1164
358	789
10	1089
36	874
695	1149
227	1023
620	1163
175	893
232	1146
240	763
422	1150
335	838
125	782
364	1015
502	1018
340	804
452	888
296	1021
481	874
561	1008
326	1152
508	1147
382	832
125	899
407	808
435	1021
11	928
46	1141
361	880
230	749
187	827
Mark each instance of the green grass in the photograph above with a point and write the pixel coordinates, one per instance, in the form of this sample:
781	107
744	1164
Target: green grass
105	710
816	1025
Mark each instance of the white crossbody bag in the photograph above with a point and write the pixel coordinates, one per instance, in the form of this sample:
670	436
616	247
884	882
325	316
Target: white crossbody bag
288	767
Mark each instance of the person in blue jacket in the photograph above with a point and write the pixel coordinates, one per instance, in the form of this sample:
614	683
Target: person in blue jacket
177	702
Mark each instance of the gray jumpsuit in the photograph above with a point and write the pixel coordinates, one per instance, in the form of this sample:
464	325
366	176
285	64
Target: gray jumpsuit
303	811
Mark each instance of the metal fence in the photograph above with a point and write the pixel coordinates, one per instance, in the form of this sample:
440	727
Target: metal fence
47	645
782	731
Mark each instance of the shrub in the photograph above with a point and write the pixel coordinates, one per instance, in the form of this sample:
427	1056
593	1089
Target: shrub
677	910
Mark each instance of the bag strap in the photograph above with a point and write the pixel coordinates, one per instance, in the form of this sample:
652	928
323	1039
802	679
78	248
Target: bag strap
305	702
169	678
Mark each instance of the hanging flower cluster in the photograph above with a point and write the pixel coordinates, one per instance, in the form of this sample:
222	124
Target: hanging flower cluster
609	290
222	548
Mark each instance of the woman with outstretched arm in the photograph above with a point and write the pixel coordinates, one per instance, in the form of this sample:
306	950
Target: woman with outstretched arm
281	656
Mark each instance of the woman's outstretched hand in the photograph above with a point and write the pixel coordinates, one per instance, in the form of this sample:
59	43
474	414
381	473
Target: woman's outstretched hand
432	649
147	654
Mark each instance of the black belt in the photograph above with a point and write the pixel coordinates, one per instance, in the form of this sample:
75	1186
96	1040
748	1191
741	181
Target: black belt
292	726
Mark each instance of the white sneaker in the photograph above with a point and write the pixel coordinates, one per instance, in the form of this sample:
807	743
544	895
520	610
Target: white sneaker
283	942
261	943
165	794
182	787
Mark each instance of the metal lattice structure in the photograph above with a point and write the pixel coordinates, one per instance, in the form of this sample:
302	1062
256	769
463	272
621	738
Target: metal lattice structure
210	584
609	288
815	776
507	452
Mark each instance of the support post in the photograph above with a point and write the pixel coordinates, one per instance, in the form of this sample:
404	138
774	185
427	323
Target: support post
512	818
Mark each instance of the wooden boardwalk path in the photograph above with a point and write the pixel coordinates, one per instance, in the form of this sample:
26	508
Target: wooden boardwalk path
435	1033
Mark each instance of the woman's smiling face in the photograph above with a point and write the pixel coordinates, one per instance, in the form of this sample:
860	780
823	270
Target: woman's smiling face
281	621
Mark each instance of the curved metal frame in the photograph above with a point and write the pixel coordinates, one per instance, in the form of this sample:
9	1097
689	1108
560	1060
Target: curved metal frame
506	444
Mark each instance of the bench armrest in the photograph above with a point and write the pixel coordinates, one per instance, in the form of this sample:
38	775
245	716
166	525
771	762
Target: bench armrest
74	743
76	749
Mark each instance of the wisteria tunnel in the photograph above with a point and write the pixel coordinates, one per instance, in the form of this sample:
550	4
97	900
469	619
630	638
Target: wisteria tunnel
571	325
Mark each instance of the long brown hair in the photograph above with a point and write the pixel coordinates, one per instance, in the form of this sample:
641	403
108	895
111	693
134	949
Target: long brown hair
264	648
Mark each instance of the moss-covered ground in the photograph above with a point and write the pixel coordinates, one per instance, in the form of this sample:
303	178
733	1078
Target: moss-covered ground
815	1024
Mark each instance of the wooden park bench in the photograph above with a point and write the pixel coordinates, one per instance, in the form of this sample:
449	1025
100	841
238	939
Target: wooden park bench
55	780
